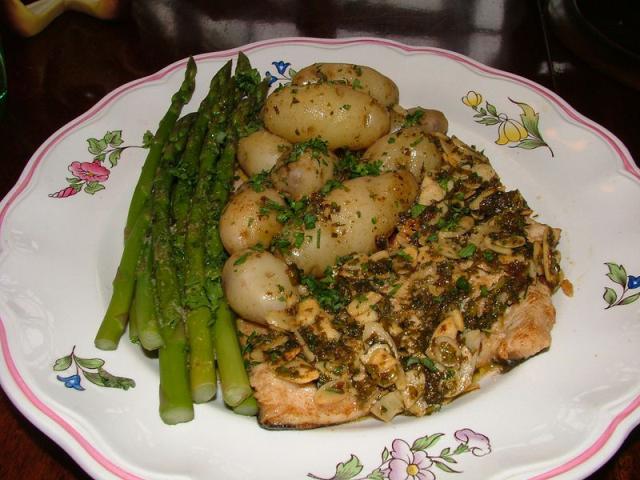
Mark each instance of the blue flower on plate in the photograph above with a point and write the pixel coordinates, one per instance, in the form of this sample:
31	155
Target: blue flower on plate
281	66
271	78
72	381
634	282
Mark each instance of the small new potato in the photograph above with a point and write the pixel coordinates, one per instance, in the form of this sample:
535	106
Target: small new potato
362	210
344	117
244	224
256	284
305	174
430	121
260	151
370	81
408	148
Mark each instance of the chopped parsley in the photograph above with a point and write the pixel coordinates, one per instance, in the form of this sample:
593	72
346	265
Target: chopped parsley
241	259
317	146
417	210
413	118
351	166
467	251
259	181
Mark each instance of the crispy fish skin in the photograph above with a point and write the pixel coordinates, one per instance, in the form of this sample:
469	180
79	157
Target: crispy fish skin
286	405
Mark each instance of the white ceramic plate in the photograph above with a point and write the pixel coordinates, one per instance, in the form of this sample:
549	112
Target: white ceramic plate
560	414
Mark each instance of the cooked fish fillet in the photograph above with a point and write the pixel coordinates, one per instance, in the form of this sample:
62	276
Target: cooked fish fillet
524	330
288	405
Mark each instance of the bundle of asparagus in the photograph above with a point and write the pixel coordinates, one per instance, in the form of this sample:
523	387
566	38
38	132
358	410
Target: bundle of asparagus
168	284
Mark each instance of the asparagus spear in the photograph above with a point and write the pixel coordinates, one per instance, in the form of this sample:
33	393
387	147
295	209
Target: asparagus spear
187	169
116	317
175	398
248	407
178	101
233	376
117	314
144	307
202	365
134	336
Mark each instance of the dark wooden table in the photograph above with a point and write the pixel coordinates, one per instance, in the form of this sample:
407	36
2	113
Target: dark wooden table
60	73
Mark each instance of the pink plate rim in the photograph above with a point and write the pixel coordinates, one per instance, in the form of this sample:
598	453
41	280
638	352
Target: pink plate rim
91	458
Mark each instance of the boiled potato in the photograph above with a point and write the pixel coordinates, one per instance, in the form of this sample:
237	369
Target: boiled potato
370	81
260	151
430	121
362	210
301	174
342	116
256	284
244	222
408	148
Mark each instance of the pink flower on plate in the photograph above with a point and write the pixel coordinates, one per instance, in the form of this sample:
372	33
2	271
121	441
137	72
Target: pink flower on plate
408	465
89	171
477	443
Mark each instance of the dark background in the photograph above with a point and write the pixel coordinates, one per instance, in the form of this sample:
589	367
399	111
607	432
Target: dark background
591	61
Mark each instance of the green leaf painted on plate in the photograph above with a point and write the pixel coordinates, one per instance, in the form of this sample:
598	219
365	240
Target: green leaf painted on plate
349	469
62	363
617	273
488	121
94	146
530	144
114	157
91	363
116	138
444	467
462	448
385	454
93	187
376	475
425	442
100	158
102	378
610	296
529	118
630	299
147	138
491	109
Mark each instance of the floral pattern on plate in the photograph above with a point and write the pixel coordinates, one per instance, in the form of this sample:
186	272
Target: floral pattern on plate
618	274
524	133
91	369
416	462
91	176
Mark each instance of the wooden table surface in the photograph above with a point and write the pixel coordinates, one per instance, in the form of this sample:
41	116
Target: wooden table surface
60	73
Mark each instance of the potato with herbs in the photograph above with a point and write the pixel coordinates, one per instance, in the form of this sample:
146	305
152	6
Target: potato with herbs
429	120
247	221
305	170
260	151
366	79
408	148
341	115
257	285
354	216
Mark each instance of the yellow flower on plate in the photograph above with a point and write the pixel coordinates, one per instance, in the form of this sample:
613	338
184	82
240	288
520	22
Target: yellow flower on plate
511	131
472	99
